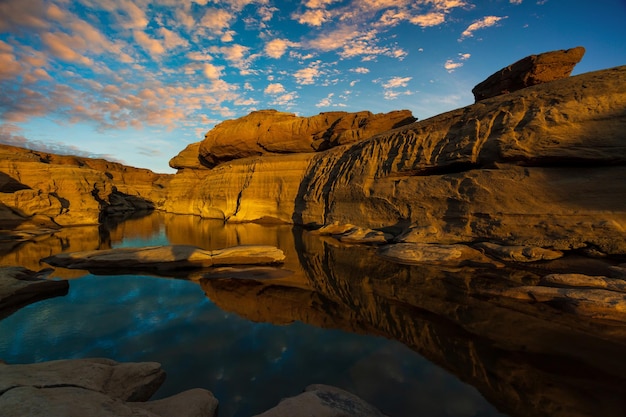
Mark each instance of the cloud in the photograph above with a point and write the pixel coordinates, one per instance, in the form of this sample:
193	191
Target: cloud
274	88
171	39
428	20
515	1
360	70
307	76
10	67
15	14
325	102
485	22
391	86
286	100
212	72
11	134
334	40
217	20
152	46
452	64
314	17
65	47
276	48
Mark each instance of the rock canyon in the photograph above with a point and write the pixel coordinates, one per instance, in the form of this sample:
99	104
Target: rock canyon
519	199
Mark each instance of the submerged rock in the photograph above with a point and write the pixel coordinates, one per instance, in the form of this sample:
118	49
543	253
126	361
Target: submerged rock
166	258
323	401
529	71
94	387
20	286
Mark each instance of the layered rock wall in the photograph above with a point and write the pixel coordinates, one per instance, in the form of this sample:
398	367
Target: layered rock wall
58	190
540	167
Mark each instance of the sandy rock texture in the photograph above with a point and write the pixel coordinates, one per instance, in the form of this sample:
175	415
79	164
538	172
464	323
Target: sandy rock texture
538	167
273	132
39	188
529	71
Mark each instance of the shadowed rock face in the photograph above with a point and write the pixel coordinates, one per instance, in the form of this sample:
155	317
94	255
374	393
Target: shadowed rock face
20	287
532	70
272	132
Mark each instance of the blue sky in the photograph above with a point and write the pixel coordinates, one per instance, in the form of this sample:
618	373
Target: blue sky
136	80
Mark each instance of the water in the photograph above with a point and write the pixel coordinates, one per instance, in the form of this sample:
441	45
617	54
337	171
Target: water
410	341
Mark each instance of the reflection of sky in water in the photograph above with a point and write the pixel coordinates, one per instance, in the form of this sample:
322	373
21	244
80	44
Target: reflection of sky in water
248	366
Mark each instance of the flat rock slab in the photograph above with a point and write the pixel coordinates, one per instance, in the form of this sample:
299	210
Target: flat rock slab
323	401
518	253
20	286
165	258
94	388
435	254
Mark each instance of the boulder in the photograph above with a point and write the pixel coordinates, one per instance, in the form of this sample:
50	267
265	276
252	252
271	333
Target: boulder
20	286
323	401
273	132
529	71
94	387
166	258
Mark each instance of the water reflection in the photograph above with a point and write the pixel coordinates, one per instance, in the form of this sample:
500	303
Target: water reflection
338	301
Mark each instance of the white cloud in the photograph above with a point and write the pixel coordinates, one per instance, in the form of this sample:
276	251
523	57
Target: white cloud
276	48
325	102
485	22
314	17
285	100
392	85
360	70
516	1
451	64
212	72
274	88
428	20
307	76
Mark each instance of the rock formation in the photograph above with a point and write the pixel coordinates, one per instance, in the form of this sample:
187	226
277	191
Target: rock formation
166	258
20	286
272	132
38	188
94	387
537	167
529	71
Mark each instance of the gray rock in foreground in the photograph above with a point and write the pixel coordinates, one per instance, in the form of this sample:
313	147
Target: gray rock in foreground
94	388
323	401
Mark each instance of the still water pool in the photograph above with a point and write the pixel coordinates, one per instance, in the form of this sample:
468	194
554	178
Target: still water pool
401	338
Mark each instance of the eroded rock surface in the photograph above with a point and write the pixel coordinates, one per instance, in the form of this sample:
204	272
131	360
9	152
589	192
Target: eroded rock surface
94	387
529	71
38	188
272	132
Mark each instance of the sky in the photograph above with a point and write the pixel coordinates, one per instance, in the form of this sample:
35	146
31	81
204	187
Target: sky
136	81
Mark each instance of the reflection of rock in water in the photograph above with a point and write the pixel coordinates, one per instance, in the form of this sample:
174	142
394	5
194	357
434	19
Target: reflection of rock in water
528	360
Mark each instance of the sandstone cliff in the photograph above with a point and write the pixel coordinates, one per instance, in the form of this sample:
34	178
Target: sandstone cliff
56	190
540	166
